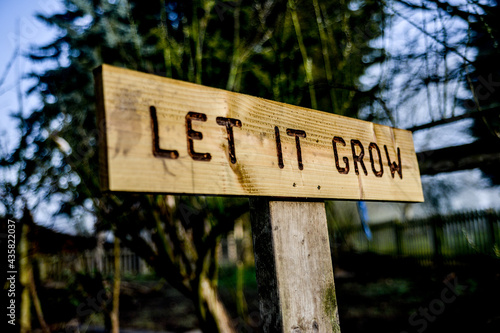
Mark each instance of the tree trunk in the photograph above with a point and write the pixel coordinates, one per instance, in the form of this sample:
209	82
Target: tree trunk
214	317
36	301
24	279
115	322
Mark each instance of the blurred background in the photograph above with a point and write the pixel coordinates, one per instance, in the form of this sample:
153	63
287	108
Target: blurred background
93	262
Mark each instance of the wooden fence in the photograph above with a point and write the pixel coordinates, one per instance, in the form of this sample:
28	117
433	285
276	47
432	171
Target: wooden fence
60	267
438	239
236	246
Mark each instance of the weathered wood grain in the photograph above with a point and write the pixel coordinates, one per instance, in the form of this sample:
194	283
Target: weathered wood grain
214	142
294	266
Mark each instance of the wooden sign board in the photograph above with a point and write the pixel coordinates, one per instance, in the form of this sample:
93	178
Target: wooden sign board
168	136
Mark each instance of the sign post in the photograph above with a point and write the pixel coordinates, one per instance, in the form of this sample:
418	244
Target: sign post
168	136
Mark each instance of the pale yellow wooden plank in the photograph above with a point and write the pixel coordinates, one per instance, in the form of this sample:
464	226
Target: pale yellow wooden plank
130	164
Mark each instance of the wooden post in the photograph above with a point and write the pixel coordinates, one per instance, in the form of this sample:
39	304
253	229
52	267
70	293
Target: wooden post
437	235
491	219
399	239
294	266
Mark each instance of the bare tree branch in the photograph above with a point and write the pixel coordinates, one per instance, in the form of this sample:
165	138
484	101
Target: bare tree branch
473	114
465	157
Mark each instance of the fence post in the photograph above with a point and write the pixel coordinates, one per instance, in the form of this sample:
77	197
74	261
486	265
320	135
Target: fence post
437	233
492	219
399	240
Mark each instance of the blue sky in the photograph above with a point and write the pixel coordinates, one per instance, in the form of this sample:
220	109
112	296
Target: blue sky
19	24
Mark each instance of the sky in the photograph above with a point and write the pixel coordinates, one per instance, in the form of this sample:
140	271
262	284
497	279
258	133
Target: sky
20	26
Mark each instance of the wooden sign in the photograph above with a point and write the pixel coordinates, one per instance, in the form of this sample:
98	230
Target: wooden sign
168	136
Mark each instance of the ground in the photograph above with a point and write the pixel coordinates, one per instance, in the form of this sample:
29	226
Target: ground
374	294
